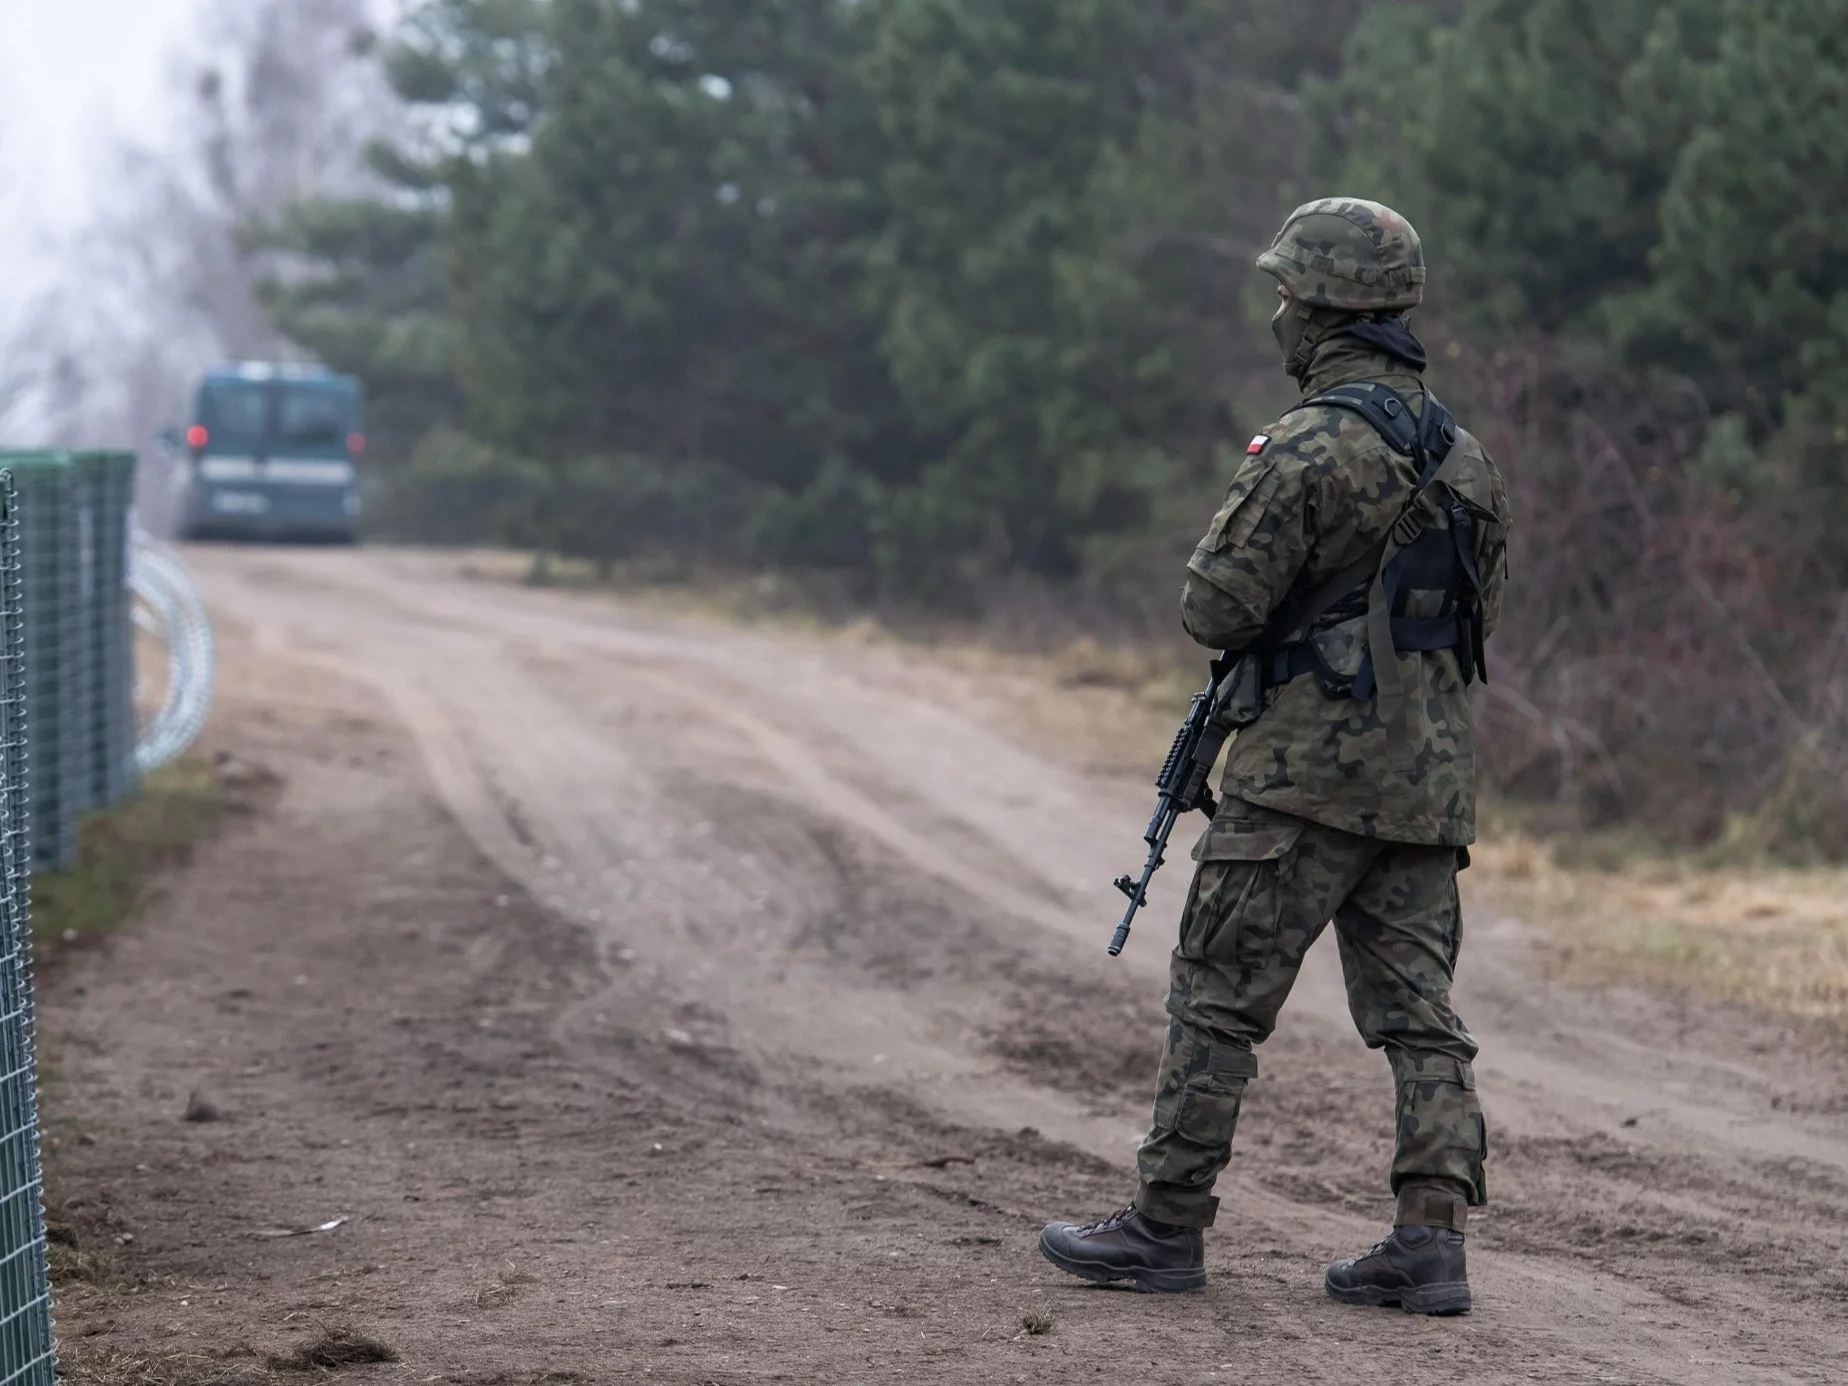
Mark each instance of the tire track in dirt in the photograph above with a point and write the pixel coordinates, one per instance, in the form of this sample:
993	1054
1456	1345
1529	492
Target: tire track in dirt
617	736
609	834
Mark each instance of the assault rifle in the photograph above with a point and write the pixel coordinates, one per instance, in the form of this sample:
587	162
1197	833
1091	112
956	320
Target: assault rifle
1231	699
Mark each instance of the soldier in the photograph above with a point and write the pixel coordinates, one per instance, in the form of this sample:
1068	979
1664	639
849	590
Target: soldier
1359	561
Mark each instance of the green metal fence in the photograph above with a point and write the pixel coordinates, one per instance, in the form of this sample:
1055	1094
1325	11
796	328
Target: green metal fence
27	1356
47	524
79	650
67	745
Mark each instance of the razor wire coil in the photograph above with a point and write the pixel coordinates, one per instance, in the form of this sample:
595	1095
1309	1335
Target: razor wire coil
169	608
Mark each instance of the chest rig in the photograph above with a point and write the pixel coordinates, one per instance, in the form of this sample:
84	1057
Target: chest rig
1418	588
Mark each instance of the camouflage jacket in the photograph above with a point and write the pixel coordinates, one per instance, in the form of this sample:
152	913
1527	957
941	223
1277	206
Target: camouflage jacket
1310	501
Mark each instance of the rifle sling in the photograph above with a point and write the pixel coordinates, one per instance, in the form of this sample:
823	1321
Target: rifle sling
1310	608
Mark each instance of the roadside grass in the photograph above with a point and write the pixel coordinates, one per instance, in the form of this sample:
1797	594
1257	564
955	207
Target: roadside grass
1095	642
1760	935
1116	702
814	603
122	849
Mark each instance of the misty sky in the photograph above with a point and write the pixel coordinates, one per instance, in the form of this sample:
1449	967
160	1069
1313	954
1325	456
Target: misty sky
76	78
76	74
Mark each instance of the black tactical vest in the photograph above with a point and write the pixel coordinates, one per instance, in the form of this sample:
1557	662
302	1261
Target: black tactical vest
1431	584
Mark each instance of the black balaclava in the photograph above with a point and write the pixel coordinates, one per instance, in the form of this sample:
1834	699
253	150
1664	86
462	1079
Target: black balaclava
1300	328
1391	335
1291	327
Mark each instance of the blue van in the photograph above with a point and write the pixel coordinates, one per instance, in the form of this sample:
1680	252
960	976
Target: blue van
273	451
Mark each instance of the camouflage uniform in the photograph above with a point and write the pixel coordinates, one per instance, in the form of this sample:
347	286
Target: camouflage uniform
1332	810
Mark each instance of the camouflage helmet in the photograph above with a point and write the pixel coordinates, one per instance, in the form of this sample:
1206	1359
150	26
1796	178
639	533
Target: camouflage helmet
1348	253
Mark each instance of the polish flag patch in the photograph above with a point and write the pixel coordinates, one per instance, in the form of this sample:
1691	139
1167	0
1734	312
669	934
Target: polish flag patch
1258	444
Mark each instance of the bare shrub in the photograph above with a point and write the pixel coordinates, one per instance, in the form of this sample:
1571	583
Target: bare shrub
1673	653
332	1349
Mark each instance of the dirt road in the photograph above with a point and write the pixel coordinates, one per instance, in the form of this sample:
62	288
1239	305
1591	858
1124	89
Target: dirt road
758	1015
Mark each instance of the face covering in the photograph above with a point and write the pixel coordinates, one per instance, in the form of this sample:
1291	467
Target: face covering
1289	327
1293	323
1390	335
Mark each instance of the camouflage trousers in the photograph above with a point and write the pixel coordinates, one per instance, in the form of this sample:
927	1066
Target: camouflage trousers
1266	886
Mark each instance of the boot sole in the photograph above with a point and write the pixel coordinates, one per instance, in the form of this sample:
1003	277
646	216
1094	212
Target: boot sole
1446	1298
1148	1282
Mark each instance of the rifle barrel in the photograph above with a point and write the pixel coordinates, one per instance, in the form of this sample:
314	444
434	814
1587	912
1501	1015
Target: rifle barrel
1159	830
1180	788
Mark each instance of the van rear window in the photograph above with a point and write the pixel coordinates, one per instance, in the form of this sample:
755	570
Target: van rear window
236	414
319	419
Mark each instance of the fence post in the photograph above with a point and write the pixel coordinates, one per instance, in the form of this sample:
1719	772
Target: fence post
106	485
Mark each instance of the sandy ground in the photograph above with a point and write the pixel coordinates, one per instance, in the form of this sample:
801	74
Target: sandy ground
662	1002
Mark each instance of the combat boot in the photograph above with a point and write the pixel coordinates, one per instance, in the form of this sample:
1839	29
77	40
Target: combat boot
1152	1257
1417	1269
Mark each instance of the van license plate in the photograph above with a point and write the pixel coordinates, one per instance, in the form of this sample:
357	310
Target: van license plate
240	502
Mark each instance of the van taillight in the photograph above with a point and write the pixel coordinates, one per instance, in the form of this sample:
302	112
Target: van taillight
356	443
197	437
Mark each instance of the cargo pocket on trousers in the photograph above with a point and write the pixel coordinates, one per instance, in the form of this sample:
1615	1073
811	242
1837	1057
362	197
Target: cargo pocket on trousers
1441	1131
1245	861
1202	1106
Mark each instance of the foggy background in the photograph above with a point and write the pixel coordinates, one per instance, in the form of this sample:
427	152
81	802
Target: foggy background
80	75
141	135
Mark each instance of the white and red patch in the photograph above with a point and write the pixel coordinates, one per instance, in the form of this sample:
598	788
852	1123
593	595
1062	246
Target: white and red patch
1258	444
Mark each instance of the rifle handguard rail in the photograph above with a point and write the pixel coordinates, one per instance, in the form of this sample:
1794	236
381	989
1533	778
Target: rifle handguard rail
1180	789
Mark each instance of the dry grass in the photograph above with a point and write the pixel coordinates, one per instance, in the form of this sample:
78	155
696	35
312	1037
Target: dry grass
110	1367
507	1287
1774	938
1113	704
75	1265
1101	713
796	603
332	1349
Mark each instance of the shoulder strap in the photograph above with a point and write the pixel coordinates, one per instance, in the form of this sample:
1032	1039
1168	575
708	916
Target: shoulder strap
1307	609
1391	705
1380	405
1427	439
